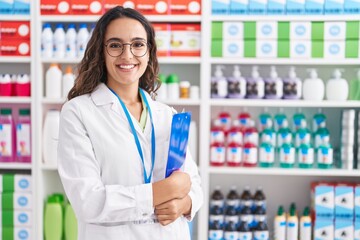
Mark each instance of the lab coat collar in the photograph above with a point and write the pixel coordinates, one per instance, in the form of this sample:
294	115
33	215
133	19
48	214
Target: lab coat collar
102	95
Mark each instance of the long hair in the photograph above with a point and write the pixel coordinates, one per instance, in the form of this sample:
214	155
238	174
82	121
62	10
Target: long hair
92	69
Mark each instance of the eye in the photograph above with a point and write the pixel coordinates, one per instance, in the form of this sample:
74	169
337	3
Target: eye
115	45
138	44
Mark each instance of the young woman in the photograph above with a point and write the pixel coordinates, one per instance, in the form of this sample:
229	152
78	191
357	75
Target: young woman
114	139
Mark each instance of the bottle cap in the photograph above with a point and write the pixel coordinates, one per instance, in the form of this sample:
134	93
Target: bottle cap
255	73
172	78
71	25
218	71
292	73
280	211
59	25
24	112
273	73
236	72
5	111
185	84
68	70
162	78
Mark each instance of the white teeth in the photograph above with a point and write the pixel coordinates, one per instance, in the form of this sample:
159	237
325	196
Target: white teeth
127	66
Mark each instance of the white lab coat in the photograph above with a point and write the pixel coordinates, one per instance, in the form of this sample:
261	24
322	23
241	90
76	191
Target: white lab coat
102	173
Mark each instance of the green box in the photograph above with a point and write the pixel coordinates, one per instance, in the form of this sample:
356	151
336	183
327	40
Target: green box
7	201
250	30
317	49
250	48
352	30
8	233
283	48
8	218
8	183
216	30
317	30
216	48
283	30
352	48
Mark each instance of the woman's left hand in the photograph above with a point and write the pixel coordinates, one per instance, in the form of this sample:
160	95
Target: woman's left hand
171	210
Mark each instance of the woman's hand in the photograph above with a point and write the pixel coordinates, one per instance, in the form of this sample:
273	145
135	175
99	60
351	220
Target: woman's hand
169	211
181	183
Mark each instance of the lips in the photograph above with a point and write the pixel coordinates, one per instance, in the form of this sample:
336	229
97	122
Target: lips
126	66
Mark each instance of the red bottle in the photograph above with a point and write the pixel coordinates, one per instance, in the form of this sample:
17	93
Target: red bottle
235	133
251	134
225	120
217	154
250	155
234	154
217	134
244	118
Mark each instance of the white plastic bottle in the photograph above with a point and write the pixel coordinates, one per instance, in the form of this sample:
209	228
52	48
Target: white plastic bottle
47	44
82	40
70	41
51	137
68	81
255	88
236	84
273	85
219	84
314	88
59	41
337	88
53	81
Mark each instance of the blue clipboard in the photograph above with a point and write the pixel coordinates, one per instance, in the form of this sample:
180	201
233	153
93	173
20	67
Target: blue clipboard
179	137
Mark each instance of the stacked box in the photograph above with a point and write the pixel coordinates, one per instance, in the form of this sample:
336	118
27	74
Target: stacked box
334	39
15	38
185	39
300	38
220	7
352	39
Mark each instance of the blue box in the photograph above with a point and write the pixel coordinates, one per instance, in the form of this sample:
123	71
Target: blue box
238	7
258	7
314	7
352	6
295	7
334	6
220	7
344	230
6	6
276	7
21	7
344	202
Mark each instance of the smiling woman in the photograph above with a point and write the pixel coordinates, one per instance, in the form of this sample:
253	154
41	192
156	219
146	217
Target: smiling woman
114	138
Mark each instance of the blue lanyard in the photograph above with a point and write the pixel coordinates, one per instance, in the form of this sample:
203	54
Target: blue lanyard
147	179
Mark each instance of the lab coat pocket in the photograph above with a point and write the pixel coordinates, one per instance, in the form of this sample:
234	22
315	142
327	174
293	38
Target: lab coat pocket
99	232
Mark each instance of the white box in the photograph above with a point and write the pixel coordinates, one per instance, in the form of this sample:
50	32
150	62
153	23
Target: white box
300	30
233	30
300	49
266	48
21	201
344	202
334	31
324	230
21	218
266	30
233	48
344	230
334	49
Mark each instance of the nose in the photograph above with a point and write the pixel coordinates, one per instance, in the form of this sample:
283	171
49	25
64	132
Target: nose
126	50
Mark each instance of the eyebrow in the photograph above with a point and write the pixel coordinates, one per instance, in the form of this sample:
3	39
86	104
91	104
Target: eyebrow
121	40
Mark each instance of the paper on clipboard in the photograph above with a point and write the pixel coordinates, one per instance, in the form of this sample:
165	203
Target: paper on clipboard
179	137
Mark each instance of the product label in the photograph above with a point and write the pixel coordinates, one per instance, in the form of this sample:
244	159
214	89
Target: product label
284	137
219	203
306	155
219	218
266	155
261	235
185	39
247	218
234	203
217	136
152	7
216	234
252	138
233	219
287	155
302	138
245	236
234	155
235	137
250	155
217	155
23	140
325	156
5	140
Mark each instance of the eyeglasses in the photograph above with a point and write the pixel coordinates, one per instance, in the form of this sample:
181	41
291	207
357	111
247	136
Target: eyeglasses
137	48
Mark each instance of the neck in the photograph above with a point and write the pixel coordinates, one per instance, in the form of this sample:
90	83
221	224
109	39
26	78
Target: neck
128	94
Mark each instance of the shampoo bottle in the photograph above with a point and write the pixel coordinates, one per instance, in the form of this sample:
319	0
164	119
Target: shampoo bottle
305	225
236	84
273	85
280	225
255	85
53	218
53	81
70	223
67	81
292	86
7	135
337	88
292	225
314	89
219	84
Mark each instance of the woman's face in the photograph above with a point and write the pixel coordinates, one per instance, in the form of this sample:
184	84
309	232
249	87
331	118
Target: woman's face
125	69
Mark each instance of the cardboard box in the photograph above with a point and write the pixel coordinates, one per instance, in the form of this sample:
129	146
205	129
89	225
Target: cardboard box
323	199
356	230
233	48
15	30
352	49
220	7
266	30
352	29
86	7
233	30
357	202
6	6
344	230
250	30
153	7
15	48
300	49
21	7
334	30
216	48
314	7
16	201
352	6
334	7
323	230
334	49
283	48
276	7
55	7
266	48
216	30
344	202
188	7
15	183
257	6
250	48
185	39
162	38
283	30
16	233
317	30
238	7
295	7
109	4
300	30
15	218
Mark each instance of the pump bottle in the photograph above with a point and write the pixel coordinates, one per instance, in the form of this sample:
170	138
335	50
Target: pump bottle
236	84
314	89
219	84
337	88
255	85
292	86
273	85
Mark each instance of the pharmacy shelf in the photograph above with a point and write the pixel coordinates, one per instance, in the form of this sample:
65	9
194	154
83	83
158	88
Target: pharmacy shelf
15	100
162	60
285	172
94	18
49	167
20	166
15	17
15	59
285	61
325	18
181	102
53	100
283	103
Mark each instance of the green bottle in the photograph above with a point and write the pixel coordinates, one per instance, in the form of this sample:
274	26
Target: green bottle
354	88
70	223
287	156
53	217
305	156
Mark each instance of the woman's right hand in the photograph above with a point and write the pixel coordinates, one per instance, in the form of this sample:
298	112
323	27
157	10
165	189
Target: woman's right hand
181	182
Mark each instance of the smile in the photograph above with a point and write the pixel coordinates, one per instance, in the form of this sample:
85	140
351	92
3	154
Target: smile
126	66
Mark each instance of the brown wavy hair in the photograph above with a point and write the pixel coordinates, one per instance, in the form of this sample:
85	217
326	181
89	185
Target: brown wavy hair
92	69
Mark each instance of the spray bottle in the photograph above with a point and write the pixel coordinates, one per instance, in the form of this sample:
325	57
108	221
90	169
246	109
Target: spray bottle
219	84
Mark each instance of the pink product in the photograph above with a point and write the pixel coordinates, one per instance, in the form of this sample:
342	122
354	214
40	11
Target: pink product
23	89
23	136
7	136
5	89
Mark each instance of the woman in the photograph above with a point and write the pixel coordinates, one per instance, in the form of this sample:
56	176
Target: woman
114	139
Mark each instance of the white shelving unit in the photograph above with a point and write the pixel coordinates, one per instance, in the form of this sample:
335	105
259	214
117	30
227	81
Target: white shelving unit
198	70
